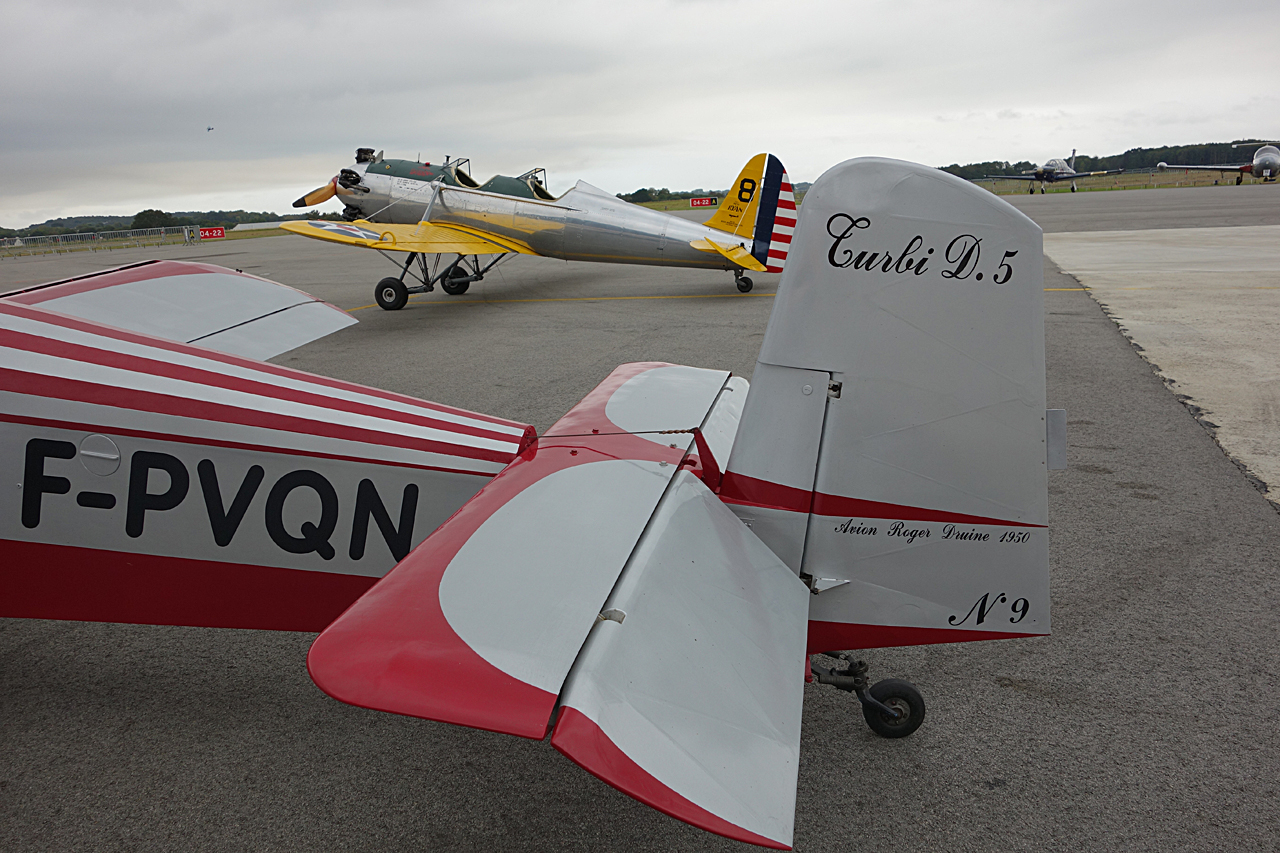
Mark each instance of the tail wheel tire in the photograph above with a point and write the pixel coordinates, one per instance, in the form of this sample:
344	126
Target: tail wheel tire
744	284
391	294
901	696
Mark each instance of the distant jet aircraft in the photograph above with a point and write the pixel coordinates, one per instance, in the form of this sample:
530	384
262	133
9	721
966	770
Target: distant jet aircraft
1265	164
645	580
425	209
1053	171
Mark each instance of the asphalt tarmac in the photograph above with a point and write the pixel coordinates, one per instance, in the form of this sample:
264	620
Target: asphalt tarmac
1148	721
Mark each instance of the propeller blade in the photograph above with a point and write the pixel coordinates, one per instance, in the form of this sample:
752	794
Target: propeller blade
317	196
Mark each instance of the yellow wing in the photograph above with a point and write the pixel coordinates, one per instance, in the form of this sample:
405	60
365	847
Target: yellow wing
737	254
425	237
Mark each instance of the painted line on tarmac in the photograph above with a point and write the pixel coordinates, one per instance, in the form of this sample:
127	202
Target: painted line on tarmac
1063	289
578	299
613	298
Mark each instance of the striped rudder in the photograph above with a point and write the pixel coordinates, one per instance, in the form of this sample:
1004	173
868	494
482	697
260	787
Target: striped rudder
775	217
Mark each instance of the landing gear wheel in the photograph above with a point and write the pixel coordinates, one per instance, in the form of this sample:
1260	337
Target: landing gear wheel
744	284
391	294
1032	191
452	286
902	697
1239	180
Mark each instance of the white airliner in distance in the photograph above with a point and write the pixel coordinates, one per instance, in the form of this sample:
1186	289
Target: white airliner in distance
1264	165
1053	171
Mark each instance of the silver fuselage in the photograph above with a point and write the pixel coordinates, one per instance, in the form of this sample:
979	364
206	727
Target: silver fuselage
584	224
1266	163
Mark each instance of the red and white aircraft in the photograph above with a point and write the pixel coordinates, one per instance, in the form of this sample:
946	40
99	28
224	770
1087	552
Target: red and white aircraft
644	580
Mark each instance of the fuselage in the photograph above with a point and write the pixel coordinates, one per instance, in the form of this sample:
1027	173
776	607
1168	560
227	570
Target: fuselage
1056	169
1266	163
584	224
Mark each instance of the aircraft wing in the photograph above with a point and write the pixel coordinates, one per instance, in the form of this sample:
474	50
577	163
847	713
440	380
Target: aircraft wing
1013	177
425	237
1226	167
193	303
597	574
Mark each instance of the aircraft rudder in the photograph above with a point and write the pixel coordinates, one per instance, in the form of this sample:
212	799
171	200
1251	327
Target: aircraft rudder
908	328
775	217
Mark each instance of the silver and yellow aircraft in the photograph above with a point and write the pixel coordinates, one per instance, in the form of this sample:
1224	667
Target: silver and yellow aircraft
440	210
1053	171
1265	164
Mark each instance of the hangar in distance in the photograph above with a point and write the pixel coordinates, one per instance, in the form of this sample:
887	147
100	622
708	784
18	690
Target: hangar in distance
426	210
1053	171
1265	164
642	582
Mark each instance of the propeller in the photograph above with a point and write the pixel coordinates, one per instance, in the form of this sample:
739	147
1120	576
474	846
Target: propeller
319	195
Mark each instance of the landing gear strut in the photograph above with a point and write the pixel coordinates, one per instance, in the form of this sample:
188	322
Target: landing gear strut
392	294
744	283
1239	179
1073	186
892	708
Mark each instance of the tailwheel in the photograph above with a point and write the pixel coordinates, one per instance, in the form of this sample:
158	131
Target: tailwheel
391	294
901	697
893	708
744	284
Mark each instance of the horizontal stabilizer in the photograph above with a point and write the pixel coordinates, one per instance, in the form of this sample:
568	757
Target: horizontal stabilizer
737	254
194	303
480	625
425	237
688	696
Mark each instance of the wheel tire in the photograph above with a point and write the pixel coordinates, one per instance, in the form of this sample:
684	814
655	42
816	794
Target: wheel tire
744	284
450	285
902	696
391	294
1032	191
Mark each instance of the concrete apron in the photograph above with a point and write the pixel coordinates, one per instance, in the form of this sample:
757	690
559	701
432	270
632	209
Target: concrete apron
1203	305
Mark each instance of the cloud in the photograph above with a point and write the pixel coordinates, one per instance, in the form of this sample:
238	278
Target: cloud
106	105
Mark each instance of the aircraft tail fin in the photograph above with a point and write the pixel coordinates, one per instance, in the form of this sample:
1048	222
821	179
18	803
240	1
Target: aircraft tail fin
892	447
761	206
1072	164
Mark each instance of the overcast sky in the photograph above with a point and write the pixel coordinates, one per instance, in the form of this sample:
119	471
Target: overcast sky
106	105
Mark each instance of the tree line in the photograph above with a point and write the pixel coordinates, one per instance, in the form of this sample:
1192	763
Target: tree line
1137	159
153	218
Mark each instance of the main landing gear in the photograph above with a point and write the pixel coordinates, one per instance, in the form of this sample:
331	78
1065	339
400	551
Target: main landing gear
892	708
392	293
1073	186
744	283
